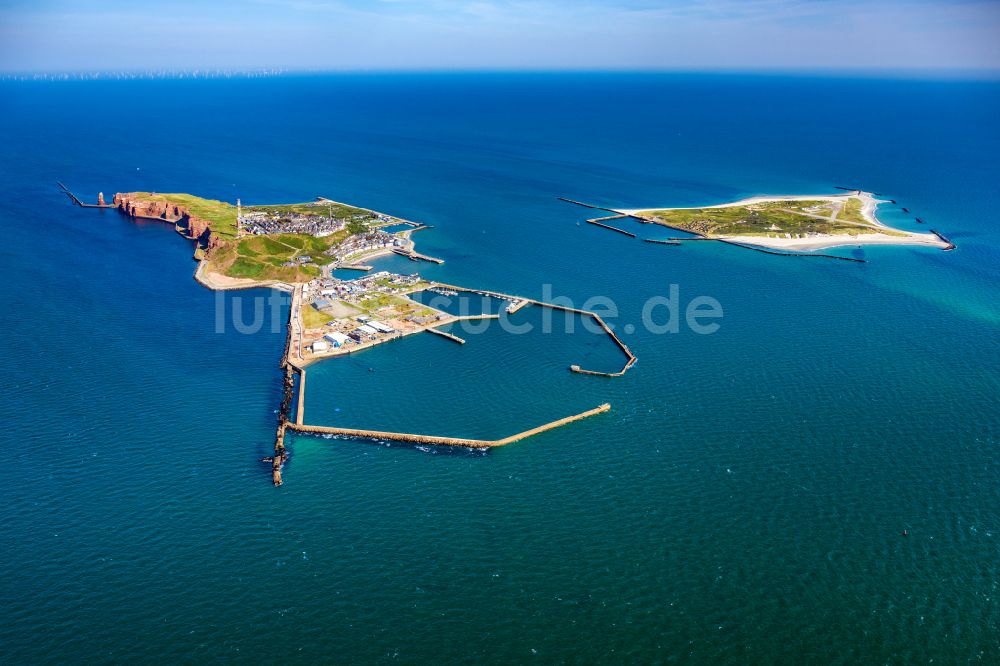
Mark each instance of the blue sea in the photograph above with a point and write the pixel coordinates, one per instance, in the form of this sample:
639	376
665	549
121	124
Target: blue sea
817	481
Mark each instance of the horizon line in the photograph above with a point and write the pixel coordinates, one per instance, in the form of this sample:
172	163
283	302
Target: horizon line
937	73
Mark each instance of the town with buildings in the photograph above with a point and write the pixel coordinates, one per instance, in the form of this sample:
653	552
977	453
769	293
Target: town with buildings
339	316
334	315
298	248
319	218
360	245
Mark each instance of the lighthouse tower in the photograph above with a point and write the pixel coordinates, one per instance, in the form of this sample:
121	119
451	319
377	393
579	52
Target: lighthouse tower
239	218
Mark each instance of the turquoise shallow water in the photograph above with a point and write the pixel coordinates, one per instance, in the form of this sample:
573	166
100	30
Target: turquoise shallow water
743	502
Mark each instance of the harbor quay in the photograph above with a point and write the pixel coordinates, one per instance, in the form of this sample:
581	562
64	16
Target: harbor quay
295	249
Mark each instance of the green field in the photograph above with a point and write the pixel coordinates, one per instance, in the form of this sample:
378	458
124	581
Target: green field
774	218
851	212
372	303
313	318
219	214
261	257
222	215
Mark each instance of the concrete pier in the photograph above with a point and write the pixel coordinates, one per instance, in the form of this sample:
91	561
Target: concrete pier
592	206
631	358
515	306
424	257
416	256
447	441
79	203
621	345
596	373
444	334
472	317
301	407
608	226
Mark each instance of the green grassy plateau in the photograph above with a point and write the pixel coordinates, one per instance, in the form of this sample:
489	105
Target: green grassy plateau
773	218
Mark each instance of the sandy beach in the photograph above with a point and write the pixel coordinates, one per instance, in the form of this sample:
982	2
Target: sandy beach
822	242
219	282
817	241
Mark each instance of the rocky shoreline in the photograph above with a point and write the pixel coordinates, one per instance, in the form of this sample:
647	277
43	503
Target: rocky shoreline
197	229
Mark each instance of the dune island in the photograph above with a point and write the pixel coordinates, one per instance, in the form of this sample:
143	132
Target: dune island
797	223
296	248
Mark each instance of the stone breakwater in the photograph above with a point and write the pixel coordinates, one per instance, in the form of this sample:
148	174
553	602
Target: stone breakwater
138	205
444	441
196	228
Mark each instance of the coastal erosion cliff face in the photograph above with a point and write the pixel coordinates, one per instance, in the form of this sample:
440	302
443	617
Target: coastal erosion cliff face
229	259
197	228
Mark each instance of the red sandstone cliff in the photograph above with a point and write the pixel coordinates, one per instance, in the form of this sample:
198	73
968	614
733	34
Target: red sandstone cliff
197	228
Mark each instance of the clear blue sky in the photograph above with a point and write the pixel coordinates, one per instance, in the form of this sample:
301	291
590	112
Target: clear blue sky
67	35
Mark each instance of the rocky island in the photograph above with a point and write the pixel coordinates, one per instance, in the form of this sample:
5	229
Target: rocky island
295	248
246	246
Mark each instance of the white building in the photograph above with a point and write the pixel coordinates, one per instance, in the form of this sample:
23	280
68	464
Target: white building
336	338
320	346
